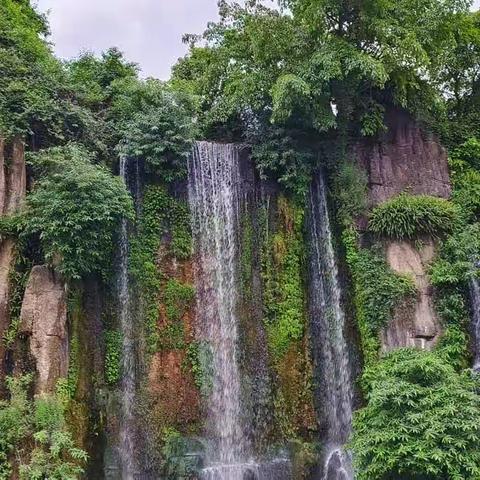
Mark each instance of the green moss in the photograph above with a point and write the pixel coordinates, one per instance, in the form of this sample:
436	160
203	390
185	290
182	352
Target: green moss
161	215
283	280
113	357
409	216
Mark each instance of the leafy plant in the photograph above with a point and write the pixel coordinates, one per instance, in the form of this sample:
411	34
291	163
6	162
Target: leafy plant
421	420
379	288
162	135
408	216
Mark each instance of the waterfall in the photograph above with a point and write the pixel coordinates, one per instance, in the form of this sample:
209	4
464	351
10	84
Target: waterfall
330	350
475	298
215	196
128	383
214	182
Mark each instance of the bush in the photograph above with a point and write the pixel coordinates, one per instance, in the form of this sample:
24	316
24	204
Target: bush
422	421
75	209
409	216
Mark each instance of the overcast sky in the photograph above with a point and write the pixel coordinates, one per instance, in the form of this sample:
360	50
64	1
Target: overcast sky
149	32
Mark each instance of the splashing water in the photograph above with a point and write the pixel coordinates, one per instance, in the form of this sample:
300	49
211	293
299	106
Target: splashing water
330	348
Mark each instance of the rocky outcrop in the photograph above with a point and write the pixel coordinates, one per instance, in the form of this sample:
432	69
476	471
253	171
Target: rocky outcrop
414	325
44	321
405	158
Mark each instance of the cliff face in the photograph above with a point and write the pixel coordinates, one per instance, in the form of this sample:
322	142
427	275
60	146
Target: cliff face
407	159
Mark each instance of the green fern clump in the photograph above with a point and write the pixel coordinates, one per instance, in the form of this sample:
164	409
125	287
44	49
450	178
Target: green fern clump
409	216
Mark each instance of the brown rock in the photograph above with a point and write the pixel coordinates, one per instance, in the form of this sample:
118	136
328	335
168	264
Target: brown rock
43	319
406	158
417	326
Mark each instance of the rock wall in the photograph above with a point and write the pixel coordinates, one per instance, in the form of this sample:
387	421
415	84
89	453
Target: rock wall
407	159
44	321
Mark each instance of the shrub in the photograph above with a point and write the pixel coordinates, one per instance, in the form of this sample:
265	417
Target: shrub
408	216
351	186
422	420
75	209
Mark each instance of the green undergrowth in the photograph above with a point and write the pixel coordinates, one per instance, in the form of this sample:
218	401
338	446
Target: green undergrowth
35	437
422	420
176	298
199	359
161	216
457	261
17	281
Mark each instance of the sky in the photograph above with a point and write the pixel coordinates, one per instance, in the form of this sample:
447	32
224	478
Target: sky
149	32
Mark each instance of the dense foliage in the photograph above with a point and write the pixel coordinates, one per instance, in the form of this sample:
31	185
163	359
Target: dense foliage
421	420
75	209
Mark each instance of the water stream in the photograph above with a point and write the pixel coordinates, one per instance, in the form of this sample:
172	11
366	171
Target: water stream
215	196
330	349
128	383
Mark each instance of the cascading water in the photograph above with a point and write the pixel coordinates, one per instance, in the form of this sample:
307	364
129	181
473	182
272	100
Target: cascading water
330	348
128	384
475	298
215	200
214	180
